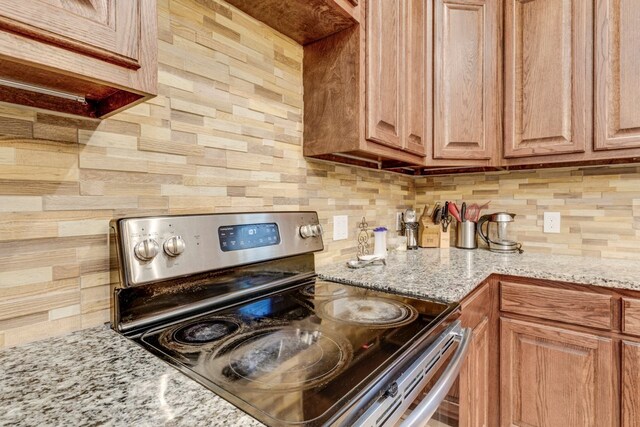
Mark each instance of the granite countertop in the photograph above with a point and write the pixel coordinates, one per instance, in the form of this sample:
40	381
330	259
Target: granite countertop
451	274
97	377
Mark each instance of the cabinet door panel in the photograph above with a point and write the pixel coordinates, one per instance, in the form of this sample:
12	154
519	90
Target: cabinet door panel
105	29
617	83
554	377
474	380
630	384
384	49
465	79
415	76
547	77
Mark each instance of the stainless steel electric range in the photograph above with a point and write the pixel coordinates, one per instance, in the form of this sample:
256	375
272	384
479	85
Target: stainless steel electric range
233	301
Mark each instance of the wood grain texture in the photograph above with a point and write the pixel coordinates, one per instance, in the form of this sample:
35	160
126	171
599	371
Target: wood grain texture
415	102
331	96
109	57
562	305
466	90
631	316
547	80
630	384
305	21
335	82
474	379
617	83
475	398
385	59
553	377
105	29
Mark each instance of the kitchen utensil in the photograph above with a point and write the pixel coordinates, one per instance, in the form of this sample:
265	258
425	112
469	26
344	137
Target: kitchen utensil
435	214
497	236
359	263
463	212
410	215
453	210
411	228
446	218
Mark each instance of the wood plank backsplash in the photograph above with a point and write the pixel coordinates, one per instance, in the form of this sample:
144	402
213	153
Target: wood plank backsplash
225	134
599	206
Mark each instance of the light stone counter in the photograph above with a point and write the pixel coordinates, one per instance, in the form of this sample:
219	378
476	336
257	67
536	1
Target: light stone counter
450	274
97	377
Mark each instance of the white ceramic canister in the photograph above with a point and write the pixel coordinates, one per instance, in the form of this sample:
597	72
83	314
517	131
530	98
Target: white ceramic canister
380	242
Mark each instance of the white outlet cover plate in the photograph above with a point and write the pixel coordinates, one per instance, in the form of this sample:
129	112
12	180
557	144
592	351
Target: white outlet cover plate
340	227
552	222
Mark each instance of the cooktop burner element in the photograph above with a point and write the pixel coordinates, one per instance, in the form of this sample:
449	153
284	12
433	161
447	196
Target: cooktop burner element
280	359
323	290
372	311
198	335
205	331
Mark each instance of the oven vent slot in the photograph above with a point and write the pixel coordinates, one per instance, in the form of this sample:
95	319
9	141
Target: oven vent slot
413	385
389	412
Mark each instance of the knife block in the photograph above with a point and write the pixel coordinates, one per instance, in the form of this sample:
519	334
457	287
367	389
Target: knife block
429	235
445	238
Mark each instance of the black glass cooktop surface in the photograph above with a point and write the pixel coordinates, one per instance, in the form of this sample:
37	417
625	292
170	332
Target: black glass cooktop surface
299	356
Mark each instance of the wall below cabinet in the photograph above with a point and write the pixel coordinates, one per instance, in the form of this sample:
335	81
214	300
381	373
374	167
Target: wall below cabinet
599	207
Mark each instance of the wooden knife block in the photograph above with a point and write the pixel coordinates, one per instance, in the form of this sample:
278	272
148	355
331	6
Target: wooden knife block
429	235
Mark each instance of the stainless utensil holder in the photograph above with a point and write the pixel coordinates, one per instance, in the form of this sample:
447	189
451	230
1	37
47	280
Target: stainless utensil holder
466	237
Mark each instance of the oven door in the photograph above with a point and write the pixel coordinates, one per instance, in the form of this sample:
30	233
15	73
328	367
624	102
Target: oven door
424	395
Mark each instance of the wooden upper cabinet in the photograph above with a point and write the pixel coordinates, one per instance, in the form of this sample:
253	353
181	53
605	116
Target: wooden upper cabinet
466	91
548	81
106	29
384	71
555	377
617	82
414	76
102	51
305	21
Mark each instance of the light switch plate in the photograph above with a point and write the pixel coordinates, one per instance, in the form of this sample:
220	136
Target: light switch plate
340	227
552	222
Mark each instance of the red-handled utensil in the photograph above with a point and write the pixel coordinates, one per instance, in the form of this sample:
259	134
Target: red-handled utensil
453	210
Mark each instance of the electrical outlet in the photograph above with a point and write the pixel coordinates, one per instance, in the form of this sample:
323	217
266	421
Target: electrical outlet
398	221
552	222
340	227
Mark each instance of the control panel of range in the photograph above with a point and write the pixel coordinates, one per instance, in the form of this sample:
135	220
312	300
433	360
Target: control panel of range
160	248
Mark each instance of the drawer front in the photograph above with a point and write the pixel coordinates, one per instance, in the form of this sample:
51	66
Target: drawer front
577	307
631	316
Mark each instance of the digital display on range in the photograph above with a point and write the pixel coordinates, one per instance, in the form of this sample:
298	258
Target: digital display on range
247	236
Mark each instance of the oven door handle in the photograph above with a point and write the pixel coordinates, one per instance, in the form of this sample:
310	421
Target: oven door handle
425	409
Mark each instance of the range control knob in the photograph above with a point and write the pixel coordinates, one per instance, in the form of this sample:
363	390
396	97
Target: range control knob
174	246
310	230
146	250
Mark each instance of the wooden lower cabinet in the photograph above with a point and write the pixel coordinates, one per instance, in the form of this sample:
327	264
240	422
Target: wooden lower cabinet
474	380
554	377
630	384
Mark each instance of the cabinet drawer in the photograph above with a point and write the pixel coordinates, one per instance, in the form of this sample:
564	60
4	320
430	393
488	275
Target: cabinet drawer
631	316
563	305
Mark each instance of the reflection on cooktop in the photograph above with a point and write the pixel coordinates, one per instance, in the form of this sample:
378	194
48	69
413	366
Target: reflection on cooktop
369	311
280	359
